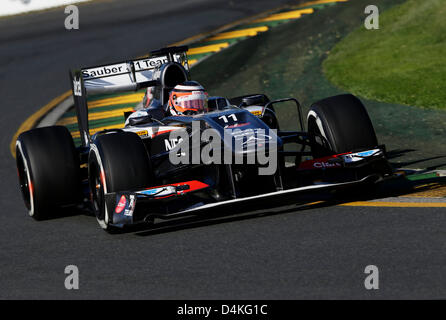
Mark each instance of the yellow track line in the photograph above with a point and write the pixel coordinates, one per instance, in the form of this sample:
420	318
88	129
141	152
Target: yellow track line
233	24
76	134
95	116
395	204
130	98
29	123
311	3
249	32
205	49
388	204
286	15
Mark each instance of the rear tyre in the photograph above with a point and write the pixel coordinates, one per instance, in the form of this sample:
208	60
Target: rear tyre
117	162
343	123
49	170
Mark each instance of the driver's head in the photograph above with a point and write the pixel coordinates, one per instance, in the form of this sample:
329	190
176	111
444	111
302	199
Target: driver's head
187	98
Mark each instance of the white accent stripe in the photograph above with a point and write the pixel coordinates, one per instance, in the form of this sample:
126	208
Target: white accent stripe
31	194
311	113
191	88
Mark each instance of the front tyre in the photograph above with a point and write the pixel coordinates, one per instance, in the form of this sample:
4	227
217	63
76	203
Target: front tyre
340	124
117	162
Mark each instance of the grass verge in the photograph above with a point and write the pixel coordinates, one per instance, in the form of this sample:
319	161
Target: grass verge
287	62
402	62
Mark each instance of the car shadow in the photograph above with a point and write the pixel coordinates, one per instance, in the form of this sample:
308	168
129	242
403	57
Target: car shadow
215	219
395	187
393	155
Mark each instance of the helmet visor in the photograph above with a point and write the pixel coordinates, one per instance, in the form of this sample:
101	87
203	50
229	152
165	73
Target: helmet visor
197	101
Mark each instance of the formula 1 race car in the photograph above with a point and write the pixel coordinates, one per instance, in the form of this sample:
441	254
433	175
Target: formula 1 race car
231	157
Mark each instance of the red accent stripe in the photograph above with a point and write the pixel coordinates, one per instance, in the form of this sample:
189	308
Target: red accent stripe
193	185
161	132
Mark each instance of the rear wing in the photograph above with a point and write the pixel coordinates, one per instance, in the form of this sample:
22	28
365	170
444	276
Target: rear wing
123	76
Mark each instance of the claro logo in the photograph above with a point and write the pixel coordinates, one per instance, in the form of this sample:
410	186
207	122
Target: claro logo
321	165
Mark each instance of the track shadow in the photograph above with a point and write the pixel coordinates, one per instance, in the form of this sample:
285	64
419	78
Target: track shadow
215	219
393	154
398	153
391	188
66	213
408	163
395	187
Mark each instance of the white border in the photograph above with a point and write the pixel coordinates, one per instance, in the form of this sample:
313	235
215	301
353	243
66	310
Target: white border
12	7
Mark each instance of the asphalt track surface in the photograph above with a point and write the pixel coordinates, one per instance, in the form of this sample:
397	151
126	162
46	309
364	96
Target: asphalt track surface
276	254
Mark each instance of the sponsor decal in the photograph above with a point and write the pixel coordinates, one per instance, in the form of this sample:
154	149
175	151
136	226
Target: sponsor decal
324	164
252	137
121	204
152	191
143	133
171	143
129	212
77	89
256	112
150	63
321	163
330	161
358	156
160	191
365	153
172	189
104	71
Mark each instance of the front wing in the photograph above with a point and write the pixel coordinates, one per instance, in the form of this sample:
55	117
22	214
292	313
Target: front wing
192	197
162	202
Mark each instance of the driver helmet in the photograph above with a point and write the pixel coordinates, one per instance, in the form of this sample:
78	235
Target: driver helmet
187	98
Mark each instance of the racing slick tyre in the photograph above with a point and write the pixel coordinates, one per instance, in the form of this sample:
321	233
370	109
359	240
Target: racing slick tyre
125	163
49	170
343	123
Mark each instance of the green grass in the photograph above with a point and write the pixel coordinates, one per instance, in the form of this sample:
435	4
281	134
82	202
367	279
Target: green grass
402	62
287	62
